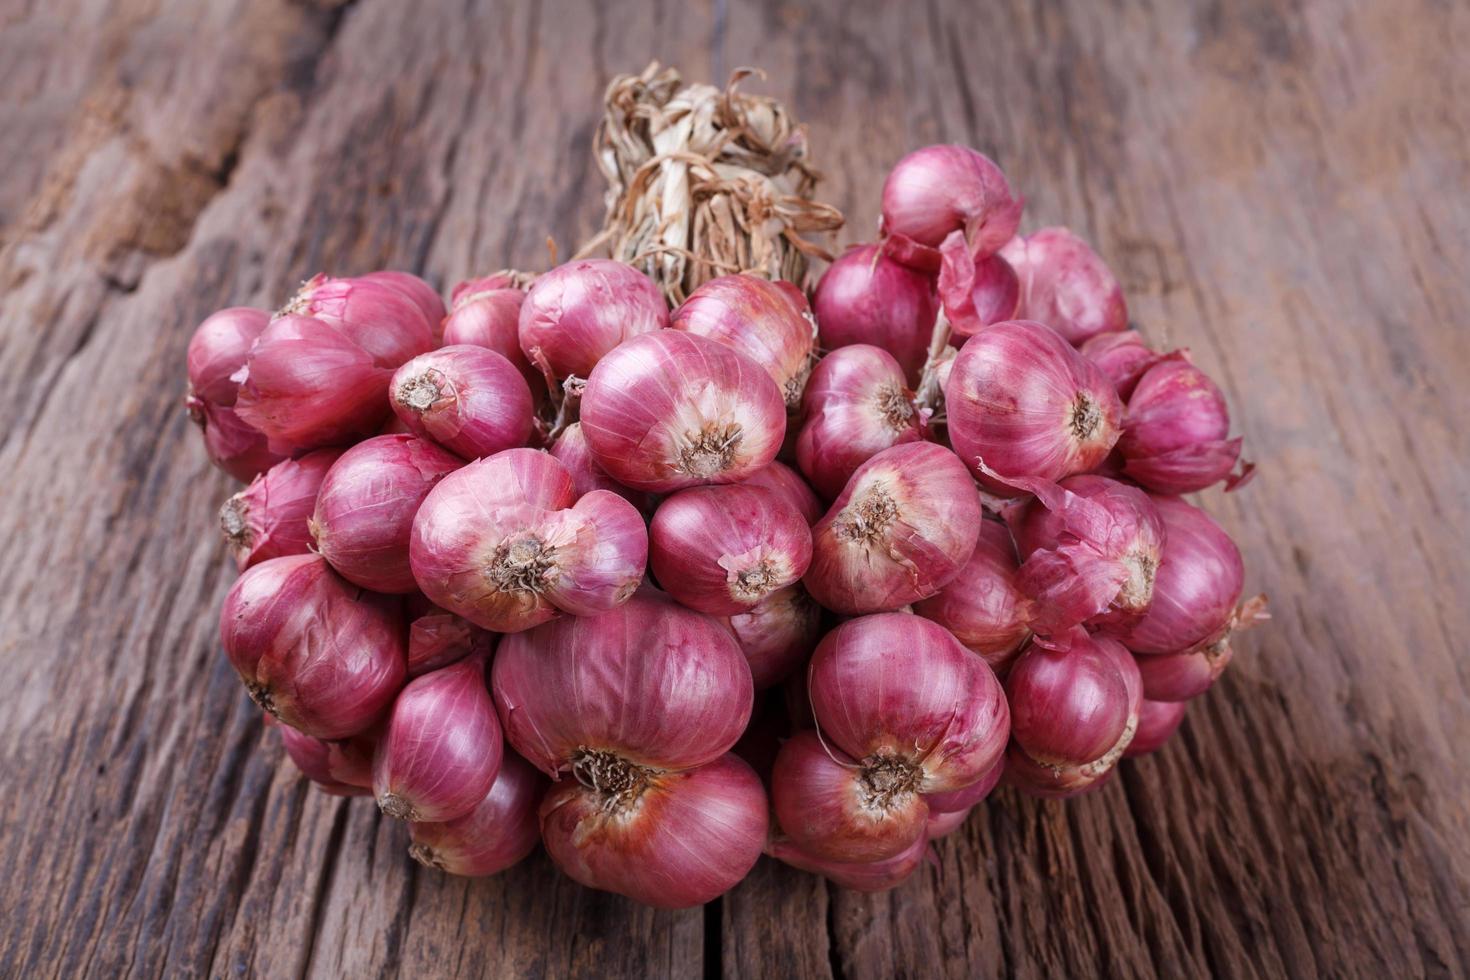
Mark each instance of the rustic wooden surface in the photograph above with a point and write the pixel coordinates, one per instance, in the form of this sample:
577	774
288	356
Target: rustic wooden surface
1282	188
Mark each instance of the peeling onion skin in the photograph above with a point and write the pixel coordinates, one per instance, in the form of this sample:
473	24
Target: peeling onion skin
499	832
670	410
1199	582
320	654
374	314
1066	285
936	190
1176	432
723	550
984	606
875	876
777	634
828	808
975	292
486	313
757	317
1157	723
659	685
575	314
270	518
366	505
441	747
505	543
1023	401
857	404
1091	548
218	349
688	838
903	527
867	298
1122	356
898	685
791	485
306	384
470	400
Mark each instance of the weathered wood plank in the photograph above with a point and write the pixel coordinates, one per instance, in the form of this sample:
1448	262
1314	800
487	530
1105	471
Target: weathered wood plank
1279	188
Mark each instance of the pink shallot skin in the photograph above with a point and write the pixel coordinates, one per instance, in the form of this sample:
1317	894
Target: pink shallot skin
271	517
940	189
499	832
1065	285
866	297
1176	432
984	605
376	315
441	747
769	324
470	400
873	876
576	313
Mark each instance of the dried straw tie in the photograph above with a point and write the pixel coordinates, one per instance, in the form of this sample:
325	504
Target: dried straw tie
704	182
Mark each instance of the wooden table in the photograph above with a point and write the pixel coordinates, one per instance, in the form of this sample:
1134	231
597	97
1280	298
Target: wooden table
1282	188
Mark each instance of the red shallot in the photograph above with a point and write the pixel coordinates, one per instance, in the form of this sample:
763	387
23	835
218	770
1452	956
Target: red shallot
1021	400
506	543
1065	285
501	830
468	399
790	484
576	313
376	315
1122	356
1157	722
984	606
767	321
670	409
486	312
341	768
721	550
321	655
872	876
866	297
857	405
777	634
366	506
1176	431
902	528
941	189
271	517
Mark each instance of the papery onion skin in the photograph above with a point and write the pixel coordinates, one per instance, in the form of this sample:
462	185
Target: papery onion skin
868	298
571	450
777	634
722	550
376	315
1091	548
270	518
1021	400
218	349
983	606
1199	582
486	312
856	405
975	292
306	384
441	747
759	319
1157	723
506	543
902	528
343	768
790	484
874	876
835	809
366	505
898	686
686	839
499	832
655	683
574	314
1122	356
670	410
939	189
232	445
963	799
1176	431
423	295
313	650
470	400
1066	285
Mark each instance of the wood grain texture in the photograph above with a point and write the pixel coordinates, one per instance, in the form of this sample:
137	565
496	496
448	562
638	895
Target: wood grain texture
1281	188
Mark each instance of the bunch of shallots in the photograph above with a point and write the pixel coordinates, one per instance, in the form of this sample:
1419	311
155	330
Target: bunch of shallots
664	590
